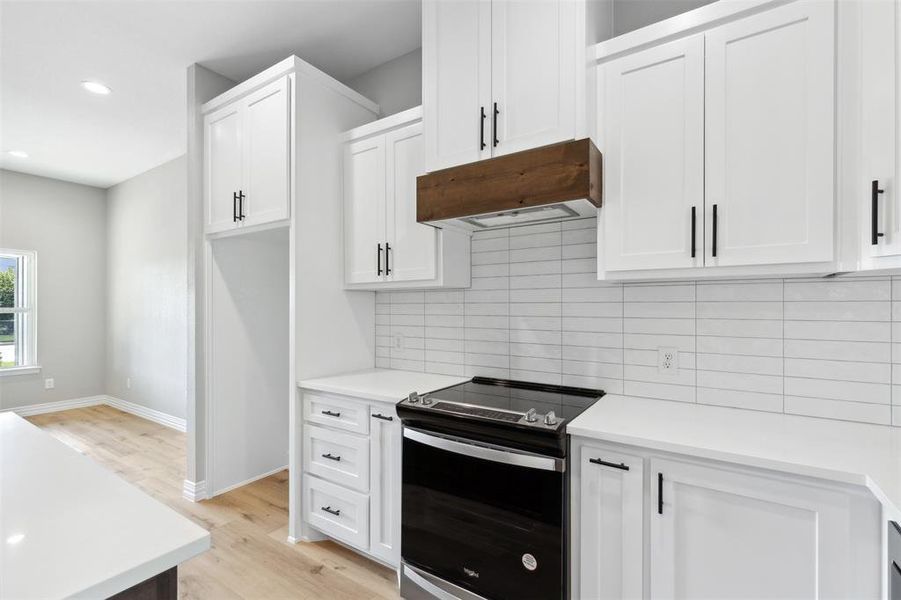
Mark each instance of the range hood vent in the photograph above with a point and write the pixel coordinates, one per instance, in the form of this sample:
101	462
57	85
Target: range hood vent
552	183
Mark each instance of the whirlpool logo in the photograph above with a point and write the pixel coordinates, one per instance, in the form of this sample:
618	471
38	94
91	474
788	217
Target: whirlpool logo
471	572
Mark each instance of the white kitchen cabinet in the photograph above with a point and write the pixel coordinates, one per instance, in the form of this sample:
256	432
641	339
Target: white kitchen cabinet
723	533
385	487
364	210
247	179
611	523
653	122
770	135
499	76
351	457
877	188
720	145
385	247
456	78
674	526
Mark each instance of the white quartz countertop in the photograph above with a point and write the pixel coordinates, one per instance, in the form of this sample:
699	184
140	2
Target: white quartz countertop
70	528
853	453
383	385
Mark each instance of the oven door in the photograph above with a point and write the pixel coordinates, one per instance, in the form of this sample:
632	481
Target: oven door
484	518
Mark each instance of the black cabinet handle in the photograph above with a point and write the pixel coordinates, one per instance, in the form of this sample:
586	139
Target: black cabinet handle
713	250
694	219
234	207
331	456
331	414
330	510
382	417
387	258
604	463
874	212
482	129
494	124
659	493
380	260
241	197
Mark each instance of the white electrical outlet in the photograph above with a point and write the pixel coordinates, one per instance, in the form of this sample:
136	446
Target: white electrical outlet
668	360
49	384
128	383
398	341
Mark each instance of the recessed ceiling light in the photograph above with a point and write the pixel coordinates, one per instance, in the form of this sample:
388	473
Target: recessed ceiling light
18	153
96	87
15	538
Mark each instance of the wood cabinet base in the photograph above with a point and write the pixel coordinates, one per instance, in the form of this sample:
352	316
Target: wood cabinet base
159	587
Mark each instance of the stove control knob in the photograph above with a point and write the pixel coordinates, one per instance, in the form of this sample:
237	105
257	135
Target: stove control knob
530	416
413	398
550	418
426	400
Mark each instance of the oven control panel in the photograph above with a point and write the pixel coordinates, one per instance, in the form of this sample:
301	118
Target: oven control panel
531	418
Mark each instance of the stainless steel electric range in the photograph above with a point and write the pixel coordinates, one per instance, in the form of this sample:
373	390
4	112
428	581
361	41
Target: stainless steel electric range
484	508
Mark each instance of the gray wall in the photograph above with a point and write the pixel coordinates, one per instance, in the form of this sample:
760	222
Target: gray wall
629	15
65	224
395	85
147	289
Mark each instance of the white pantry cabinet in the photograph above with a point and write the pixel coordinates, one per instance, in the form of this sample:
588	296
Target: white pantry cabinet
720	145
351	472
385	247
715	530
247	154
499	76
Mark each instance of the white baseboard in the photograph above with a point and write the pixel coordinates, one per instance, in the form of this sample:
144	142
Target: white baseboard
194	490
123	405
49	407
147	413
246	481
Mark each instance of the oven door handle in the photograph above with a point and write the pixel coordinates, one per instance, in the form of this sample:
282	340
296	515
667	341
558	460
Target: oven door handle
493	453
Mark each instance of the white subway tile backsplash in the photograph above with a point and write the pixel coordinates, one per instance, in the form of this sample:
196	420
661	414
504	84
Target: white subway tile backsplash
536	312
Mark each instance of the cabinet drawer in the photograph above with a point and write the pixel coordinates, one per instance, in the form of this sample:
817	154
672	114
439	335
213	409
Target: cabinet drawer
336	511
336	412
339	457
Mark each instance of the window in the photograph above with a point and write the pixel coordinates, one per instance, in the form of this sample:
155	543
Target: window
18	352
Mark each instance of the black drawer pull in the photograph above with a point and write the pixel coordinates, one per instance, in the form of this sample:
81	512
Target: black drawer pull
604	463
331	414
330	510
659	493
382	417
874	212
331	456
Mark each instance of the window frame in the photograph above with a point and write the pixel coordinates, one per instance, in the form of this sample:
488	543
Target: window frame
26	308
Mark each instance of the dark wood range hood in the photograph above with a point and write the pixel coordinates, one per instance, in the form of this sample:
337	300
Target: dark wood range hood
551	183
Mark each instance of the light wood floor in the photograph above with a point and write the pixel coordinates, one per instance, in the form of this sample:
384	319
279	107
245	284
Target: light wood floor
250	557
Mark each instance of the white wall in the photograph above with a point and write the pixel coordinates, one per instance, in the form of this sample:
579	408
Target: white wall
536	312
395	86
65	223
147	289
629	15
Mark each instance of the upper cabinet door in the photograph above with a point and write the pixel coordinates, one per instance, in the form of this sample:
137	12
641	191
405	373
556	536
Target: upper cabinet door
267	139
770	132
533	63
364	210
456	83
222	167
413	245
652	138
880	24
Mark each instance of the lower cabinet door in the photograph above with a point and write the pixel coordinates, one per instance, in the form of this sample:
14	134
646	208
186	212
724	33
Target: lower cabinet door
385	464
610	524
336	511
718	533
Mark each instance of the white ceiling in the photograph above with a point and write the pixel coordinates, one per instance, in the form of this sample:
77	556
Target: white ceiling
141	50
